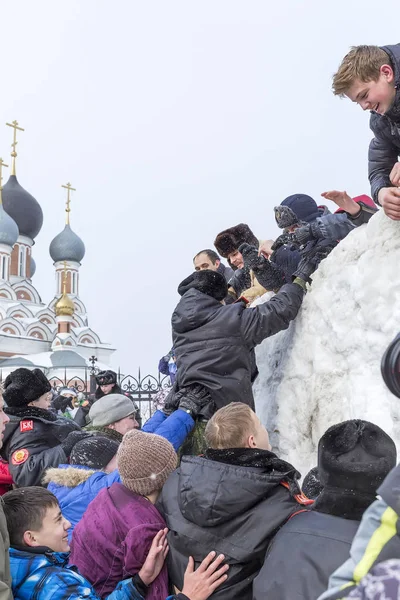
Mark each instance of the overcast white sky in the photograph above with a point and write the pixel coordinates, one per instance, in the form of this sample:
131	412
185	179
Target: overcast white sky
175	120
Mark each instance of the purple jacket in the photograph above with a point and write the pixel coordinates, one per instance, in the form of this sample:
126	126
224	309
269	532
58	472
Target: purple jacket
113	538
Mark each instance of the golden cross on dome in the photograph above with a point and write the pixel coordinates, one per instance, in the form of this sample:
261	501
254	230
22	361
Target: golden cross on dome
2	164
70	189
16	127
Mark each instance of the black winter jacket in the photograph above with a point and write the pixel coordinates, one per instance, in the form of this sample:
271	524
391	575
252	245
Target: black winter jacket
384	148
234	510
303	555
213	342
32	441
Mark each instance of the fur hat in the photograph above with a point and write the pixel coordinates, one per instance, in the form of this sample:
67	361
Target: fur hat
228	241
106	377
211	283
145	460
94	452
304	207
355	455
23	386
110	409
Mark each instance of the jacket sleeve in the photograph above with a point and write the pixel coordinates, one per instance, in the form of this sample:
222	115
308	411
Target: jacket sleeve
28	464
275	315
336	226
176	428
382	157
154	422
65	584
377	528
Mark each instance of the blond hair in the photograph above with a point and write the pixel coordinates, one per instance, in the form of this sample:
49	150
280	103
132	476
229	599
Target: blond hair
362	63
230	426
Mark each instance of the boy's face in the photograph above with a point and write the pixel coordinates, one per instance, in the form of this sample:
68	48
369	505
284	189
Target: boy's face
377	96
53	532
260	437
236	259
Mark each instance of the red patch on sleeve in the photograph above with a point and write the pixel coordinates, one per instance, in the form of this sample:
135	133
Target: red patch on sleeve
19	456
26	426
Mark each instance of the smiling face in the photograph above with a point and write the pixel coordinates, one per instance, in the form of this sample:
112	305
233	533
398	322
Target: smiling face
53	533
377	96
203	263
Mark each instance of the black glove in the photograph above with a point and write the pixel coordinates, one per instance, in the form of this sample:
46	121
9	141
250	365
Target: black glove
73	438
306	233
193	398
312	258
171	401
268	274
250	256
284	238
61	403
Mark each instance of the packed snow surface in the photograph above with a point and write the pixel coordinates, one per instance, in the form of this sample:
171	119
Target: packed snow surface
326	367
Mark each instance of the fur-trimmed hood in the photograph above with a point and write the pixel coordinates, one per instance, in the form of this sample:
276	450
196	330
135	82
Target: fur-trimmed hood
68	476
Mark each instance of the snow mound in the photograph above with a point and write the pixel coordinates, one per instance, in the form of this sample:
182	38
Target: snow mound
326	367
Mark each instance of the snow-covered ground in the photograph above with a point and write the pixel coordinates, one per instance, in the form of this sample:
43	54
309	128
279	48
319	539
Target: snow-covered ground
326	367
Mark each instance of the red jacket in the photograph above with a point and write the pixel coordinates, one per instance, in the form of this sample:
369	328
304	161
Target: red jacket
5	477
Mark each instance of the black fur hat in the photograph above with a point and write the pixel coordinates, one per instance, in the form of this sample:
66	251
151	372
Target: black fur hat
106	377
211	283
355	455
229	240
23	386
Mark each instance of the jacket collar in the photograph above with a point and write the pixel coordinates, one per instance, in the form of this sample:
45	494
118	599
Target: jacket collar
348	504
24	412
56	558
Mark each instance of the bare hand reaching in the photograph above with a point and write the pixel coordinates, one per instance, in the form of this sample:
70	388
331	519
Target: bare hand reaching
395	175
265	249
343	200
155	559
389	199
200	584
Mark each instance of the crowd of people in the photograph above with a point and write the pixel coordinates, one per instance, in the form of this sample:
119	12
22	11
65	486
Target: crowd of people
193	503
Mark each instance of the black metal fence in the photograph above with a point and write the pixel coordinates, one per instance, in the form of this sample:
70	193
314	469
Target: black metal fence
142	389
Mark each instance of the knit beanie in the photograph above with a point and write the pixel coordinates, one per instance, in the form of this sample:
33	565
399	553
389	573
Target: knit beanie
23	386
95	452
145	460
304	207
211	283
355	455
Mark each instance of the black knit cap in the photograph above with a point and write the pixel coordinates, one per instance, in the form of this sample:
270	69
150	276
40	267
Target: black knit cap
23	386
355	455
94	452
211	283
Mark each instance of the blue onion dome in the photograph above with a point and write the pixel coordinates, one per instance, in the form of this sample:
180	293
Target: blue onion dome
33	267
67	246
8	228
23	208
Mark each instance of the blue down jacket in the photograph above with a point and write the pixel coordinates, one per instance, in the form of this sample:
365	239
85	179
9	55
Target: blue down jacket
76	486
44	575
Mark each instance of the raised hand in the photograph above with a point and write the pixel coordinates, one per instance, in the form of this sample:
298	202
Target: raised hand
343	200
155	559
200	584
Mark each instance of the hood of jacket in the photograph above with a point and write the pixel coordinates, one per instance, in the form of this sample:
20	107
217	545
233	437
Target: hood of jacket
206	495
67	475
194	310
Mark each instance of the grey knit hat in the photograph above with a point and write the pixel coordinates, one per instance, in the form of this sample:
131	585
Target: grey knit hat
110	409
145	460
